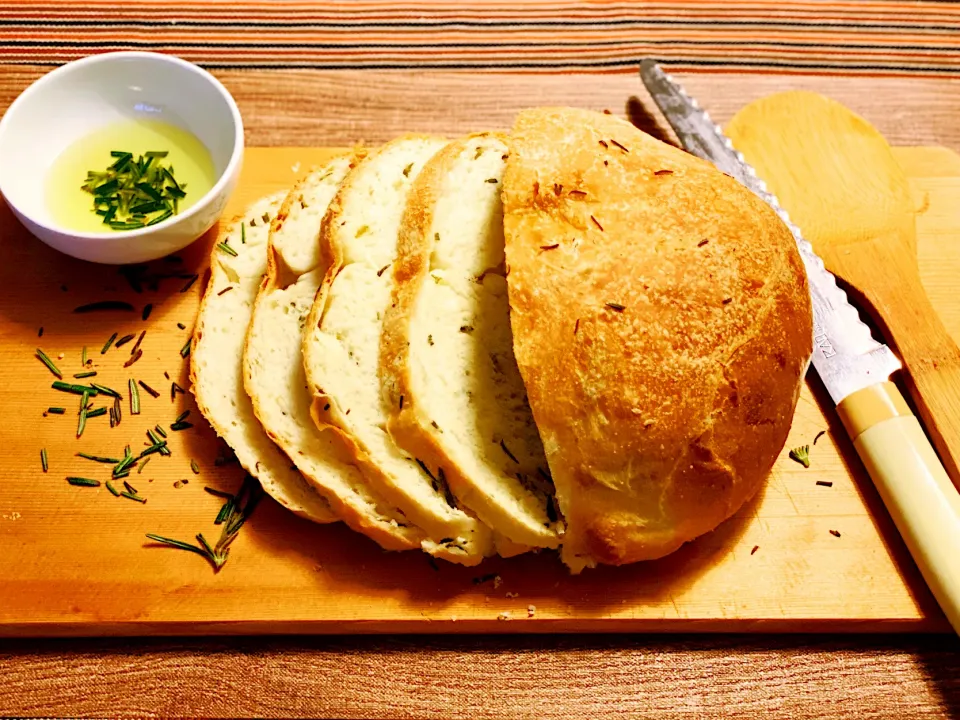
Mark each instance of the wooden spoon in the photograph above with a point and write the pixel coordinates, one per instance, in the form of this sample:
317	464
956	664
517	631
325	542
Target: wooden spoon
837	177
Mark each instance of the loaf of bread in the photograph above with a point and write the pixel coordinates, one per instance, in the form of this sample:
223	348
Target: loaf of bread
238	262
273	363
452	389
662	325
341	346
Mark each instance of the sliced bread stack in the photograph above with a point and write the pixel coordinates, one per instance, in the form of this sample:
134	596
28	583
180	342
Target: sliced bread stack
369	352
273	364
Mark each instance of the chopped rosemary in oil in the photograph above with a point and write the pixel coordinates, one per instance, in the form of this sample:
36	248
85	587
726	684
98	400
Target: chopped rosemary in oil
134	193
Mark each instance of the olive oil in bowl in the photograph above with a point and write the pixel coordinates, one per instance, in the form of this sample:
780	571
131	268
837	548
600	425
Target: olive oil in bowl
128	175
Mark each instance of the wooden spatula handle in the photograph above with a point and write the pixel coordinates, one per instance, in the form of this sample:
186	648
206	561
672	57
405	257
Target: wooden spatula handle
930	356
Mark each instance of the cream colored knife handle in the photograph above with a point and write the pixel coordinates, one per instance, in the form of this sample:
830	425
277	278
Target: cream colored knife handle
915	488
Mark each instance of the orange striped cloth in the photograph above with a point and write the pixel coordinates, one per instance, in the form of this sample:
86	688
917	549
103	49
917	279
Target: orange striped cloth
876	37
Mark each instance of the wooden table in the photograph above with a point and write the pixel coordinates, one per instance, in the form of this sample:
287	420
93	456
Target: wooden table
474	677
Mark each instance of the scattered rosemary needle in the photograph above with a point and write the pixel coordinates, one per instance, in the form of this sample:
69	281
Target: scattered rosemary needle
42	356
133	496
193	466
98	458
134	397
107	345
150	390
185	350
112	489
143	465
104	305
82	420
56	410
130	488
74	388
43	459
103	389
801	455
83	482
87	374
83	356
182	416
160	431
223	247
97	413
123	341
136	345
147	309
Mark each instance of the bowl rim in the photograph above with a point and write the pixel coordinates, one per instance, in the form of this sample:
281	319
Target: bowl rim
223	179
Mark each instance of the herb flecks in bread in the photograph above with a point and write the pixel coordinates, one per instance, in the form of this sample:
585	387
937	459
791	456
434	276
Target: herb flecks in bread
273	363
216	360
341	343
652	336
446	347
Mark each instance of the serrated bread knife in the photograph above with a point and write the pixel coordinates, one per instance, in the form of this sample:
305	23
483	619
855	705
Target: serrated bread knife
855	369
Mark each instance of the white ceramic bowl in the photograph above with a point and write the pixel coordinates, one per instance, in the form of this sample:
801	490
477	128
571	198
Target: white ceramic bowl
76	99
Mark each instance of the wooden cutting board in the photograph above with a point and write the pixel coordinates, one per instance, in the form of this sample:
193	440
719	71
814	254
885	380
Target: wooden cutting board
74	560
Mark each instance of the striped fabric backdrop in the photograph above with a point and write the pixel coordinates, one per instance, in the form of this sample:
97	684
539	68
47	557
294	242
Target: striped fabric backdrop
875	37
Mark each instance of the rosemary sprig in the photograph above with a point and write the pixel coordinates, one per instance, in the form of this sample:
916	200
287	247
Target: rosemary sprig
42	356
241	507
801	455
134	397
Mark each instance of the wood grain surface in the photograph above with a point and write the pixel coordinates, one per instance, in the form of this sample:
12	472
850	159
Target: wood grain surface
611	676
323	578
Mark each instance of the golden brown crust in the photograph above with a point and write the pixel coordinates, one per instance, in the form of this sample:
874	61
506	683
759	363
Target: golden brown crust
662	325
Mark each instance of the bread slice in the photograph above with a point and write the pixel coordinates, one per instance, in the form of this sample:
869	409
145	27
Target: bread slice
449	377
341	345
273	363
662	340
237	265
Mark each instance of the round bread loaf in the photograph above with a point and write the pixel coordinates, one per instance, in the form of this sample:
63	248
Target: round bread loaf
662	326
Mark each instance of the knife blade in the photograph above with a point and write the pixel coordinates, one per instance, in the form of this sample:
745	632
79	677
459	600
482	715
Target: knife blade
854	367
